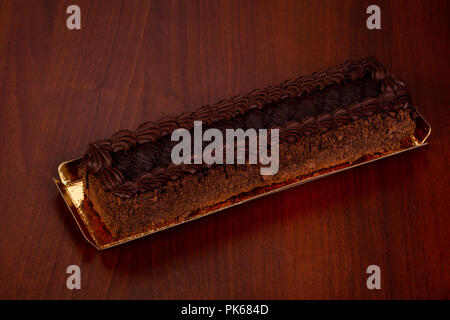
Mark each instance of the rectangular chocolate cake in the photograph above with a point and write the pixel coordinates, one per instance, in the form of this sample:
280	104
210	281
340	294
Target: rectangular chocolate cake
326	119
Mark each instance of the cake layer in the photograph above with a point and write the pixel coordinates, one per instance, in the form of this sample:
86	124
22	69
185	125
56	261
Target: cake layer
178	199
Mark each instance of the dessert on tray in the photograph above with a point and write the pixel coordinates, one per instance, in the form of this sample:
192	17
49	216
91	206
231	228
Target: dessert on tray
327	119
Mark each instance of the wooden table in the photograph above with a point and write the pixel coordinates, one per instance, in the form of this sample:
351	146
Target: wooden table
134	61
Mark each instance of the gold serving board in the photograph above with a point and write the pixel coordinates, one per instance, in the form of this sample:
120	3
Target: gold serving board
71	188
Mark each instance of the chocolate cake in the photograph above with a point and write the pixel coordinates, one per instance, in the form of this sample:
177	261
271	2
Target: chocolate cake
326	119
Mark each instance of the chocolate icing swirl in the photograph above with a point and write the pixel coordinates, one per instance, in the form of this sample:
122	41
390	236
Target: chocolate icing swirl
136	162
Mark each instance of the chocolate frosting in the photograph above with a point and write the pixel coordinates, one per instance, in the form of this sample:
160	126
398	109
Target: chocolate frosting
133	162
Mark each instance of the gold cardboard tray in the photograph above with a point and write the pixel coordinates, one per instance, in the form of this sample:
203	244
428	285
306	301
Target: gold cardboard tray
71	188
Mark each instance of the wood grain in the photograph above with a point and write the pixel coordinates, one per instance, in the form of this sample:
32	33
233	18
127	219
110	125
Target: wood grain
134	61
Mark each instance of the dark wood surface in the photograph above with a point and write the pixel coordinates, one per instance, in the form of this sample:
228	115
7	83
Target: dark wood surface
134	61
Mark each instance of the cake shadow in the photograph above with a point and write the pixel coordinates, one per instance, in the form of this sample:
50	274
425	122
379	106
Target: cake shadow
194	240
